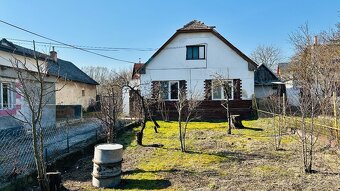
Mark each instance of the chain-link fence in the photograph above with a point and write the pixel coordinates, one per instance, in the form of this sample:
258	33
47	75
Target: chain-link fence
16	152
285	111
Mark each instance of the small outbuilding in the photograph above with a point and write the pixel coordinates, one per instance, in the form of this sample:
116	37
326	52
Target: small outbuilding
267	83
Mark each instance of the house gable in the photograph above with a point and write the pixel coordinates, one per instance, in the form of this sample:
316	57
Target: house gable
196	27
264	76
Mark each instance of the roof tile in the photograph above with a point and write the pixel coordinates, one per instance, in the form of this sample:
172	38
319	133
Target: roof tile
195	25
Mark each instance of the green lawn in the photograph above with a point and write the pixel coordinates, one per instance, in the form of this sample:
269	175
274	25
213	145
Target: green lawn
245	160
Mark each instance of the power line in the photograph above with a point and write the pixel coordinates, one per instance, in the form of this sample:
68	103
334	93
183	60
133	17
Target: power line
65	44
98	48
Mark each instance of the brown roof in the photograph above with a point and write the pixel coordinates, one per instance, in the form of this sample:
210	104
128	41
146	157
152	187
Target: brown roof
136	69
197	27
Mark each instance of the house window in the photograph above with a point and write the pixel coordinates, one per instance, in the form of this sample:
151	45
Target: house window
218	92
6	96
169	90
196	52
83	92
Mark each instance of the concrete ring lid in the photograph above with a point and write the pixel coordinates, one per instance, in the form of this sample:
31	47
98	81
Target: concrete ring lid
109	146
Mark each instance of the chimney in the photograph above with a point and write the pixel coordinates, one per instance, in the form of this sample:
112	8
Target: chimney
53	55
315	40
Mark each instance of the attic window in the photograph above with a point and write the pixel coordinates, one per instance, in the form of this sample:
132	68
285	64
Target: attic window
83	92
196	52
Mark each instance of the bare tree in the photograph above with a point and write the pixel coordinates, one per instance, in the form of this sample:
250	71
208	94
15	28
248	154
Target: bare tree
110	108
268	55
145	102
223	82
187	111
100	74
38	90
315	69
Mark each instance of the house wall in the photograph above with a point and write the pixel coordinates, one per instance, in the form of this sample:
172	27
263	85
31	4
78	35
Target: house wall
20	108
7	59
71	93
49	110
126	96
293	93
171	64
264	91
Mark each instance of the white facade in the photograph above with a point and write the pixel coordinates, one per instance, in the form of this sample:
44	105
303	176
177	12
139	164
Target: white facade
293	93
264	91
18	107
220	59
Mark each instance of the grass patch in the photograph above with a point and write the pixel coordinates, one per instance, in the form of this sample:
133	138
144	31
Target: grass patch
215	160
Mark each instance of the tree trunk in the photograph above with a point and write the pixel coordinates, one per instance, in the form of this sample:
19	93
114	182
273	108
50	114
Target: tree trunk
229	119
43	184
180	128
139	135
139	138
236	122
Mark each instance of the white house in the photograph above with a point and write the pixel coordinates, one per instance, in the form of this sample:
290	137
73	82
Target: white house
12	103
75	87
191	59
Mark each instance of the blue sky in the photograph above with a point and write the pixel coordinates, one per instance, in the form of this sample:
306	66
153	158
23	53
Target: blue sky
149	23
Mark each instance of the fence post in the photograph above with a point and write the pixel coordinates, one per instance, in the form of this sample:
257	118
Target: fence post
96	134
335	117
68	142
67	136
284	108
46	155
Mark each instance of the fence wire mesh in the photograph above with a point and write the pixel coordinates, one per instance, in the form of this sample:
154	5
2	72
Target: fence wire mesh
325	123
16	152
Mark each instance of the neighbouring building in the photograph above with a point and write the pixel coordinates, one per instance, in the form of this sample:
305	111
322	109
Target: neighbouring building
267	83
292	90
74	86
12	103
190	60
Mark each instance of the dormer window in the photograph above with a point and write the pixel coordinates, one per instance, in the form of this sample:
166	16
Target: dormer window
196	52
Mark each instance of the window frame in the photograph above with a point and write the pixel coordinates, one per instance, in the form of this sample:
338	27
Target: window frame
231	82
168	93
192	52
10	95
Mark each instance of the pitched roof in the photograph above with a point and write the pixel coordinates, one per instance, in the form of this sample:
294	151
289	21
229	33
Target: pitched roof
10	47
265	76
61	68
136	70
67	70
196	27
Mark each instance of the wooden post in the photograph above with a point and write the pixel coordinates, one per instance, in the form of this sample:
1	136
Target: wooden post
67	141
54	179
46	155
335	114
335	117
284	109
